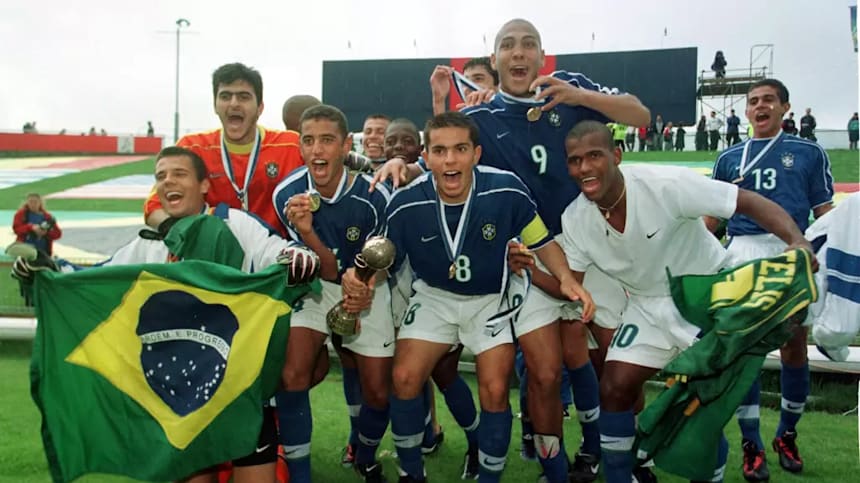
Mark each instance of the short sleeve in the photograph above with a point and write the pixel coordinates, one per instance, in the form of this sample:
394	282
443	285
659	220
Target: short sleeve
697	196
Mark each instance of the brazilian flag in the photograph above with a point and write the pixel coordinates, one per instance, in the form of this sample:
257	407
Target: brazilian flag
156	371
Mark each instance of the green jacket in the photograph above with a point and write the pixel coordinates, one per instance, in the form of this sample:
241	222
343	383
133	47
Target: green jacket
744	313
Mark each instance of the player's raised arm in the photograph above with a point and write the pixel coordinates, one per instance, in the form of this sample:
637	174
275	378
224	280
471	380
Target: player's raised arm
623	108
400	173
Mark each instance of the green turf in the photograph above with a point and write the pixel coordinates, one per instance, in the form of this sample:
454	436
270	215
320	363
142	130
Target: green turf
828	442
844	164
13	196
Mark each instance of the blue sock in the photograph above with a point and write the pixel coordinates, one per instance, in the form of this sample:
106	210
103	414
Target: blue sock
294	432
722	457
494	437
407	432
552	457
371	425
566	385
586	396
794	382
429	433
748	415
459	399
352	394
617	432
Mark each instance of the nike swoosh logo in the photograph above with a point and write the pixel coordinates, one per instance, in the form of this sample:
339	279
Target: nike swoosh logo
499	331
264	448
427	239
594	468
501	135
792	407
650	235
387	344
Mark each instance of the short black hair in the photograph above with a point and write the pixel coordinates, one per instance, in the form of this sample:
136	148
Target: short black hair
330	113
451	119
781	90
402	121
196	161
377	116
230	73
485	63
585	128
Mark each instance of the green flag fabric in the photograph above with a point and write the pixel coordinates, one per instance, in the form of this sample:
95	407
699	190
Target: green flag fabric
156	371
205	237
744	313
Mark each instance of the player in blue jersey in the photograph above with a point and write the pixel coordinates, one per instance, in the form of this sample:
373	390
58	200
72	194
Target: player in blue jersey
336	230
403	140
458	260
795	174
523	131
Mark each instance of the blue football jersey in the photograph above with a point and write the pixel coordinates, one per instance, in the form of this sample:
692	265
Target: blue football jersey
535	150
500	208
342	223
792	172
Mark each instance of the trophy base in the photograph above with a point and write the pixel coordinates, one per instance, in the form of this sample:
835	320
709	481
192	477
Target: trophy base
341	322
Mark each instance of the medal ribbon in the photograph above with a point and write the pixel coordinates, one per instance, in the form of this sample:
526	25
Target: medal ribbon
529	101
745	167
454	245
242	194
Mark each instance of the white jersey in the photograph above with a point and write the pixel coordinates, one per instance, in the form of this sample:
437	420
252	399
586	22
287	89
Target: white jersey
261	246
836	315
664	229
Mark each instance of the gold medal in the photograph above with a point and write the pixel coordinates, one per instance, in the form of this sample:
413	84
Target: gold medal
313	200
452	270
534	113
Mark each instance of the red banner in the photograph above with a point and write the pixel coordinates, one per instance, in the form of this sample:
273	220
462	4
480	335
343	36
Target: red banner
57	143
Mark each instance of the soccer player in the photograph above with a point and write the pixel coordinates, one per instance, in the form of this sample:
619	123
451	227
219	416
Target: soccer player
373	136
293	109
245	161
403	140
336	229
181	183
634	223
795	174
478	70
461	258
523	132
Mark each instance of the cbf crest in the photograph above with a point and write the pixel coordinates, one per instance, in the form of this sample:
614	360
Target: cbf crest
787	160
353	233
488	231
272	170
554	118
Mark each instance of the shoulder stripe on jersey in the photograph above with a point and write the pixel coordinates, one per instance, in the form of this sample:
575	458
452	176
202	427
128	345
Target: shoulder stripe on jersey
513	190
410	205
375	229
826	175
383	190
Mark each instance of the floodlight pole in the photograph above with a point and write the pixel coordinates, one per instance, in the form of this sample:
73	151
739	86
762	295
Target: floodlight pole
179	24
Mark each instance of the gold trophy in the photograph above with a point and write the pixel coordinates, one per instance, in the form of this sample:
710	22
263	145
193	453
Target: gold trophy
377	254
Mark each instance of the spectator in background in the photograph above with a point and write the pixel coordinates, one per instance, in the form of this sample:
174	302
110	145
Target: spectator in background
679	137
719	66
733	124
788	125
28	128
293	109
103	132
630	138
807	126
667	137
92	131
150	131
618	132
701	134
34	225
714	125
853	131
643	136
62	132
657	132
